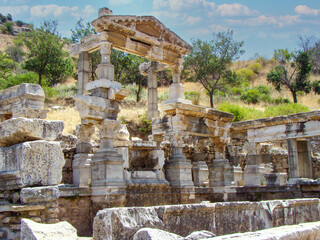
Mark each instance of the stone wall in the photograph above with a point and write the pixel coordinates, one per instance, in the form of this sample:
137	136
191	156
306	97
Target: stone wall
77	211
219	218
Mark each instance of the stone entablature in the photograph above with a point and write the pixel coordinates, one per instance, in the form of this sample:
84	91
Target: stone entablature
144	36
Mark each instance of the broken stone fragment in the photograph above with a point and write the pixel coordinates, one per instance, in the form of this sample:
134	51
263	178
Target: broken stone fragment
37	163
200	235
39	194
155	234
31	230
18	130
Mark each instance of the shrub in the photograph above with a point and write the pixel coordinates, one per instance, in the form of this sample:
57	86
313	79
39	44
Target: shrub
134	92
146	125
240	113
19	23
7	28
263	89
193	96
285	109
236	91
246	74
255	67
66	90
29	77
280	100
163	96
251	96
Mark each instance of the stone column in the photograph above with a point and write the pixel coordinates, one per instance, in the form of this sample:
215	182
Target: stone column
105	69
83	72
107	164
200	170
152	93
176	89
220	170
150	69
252	176
81	164
178	167
300	163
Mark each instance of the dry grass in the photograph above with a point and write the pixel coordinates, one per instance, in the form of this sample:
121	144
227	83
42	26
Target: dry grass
132	113
69	115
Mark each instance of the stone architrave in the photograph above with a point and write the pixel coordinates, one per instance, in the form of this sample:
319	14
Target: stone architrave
33	163
83	72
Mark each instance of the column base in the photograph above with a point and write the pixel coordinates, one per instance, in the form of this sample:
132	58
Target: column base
178	171
82	169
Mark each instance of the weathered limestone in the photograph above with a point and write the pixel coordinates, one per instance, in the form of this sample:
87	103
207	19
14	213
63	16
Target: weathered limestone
218	218
39	194
31	230
18	130
155	234
295	128
198	235
150	69
200	173
181	120
24	100
81	163
30	164
308	231
252	176
83	72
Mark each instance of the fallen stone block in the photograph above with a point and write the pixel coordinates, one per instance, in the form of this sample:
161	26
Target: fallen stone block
31	230
155	234
24	96
200	235
37	163
122	223
39	194
18	130
304	231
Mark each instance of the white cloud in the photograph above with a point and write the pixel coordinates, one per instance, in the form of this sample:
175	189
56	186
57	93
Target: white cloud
235	9
266	20
304	10
119	2
14	10
56	10
177	5
87	12
158	4
193	20
53	9
217	28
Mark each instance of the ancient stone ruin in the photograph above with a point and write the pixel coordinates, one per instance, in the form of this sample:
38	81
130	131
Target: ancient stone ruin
198	175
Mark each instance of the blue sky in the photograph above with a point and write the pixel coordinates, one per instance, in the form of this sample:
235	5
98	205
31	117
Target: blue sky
264	25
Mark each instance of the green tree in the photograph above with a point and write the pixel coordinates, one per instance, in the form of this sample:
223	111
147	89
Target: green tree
6	65
210	61
133	76
45	52
292	71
